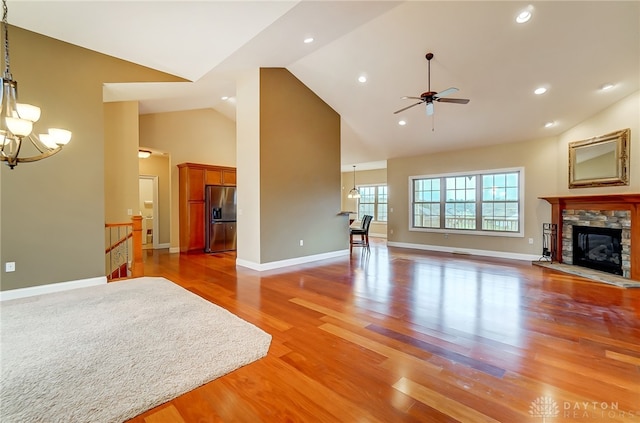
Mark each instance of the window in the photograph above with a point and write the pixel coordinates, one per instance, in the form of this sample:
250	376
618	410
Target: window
460	202
477	203
373	201
426	203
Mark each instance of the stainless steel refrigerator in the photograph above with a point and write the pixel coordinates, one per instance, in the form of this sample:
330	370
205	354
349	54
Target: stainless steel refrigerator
221	218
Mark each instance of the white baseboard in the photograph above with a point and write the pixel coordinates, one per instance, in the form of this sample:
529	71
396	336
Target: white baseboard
163	245
372	235
30	291
289	262
469	251
174	250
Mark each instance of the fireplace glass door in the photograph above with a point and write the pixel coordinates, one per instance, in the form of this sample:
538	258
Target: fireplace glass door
598	248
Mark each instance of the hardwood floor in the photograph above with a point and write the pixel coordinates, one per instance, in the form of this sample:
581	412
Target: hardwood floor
400	335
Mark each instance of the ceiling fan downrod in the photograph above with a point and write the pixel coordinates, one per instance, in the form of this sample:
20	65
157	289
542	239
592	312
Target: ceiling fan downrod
429	56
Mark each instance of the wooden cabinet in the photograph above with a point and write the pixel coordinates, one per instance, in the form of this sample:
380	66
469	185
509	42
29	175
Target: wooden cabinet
220	176
193	179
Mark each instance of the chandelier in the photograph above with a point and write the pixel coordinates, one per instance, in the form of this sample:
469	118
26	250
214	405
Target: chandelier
17	119
354	193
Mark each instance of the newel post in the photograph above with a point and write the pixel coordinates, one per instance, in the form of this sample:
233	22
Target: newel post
137	267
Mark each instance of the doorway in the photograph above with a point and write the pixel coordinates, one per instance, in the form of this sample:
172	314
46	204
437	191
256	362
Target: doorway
148	197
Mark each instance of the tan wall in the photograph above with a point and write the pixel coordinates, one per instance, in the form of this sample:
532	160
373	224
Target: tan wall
121	161
623	114
299	170
195	136
364	177
160	166
53	211
536	157
546	173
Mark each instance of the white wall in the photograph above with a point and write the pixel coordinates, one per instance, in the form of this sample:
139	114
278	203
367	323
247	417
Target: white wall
248	173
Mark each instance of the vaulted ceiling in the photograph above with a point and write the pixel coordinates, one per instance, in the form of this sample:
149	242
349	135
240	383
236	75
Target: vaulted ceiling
571	48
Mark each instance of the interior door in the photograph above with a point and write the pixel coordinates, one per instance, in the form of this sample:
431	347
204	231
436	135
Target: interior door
148	208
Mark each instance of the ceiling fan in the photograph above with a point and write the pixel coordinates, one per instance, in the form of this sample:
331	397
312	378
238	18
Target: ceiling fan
430	96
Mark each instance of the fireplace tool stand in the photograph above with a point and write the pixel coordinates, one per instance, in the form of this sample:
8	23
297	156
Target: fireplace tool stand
549	238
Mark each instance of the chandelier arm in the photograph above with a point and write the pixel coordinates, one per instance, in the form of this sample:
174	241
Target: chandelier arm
11	158
39	145
32	158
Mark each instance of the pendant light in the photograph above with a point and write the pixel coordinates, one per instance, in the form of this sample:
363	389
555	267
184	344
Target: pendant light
17	119
354	193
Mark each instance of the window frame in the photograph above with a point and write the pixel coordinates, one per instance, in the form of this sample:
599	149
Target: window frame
375	204
478	174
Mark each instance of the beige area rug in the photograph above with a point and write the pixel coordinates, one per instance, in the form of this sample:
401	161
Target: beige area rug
109	353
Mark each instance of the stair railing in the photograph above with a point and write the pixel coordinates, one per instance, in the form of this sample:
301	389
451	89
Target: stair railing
123	252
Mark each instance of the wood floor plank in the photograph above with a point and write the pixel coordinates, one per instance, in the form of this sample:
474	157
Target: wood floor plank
329	312
164	415
623	357
377	347
436	350
622	381
440	402
400	335
256	315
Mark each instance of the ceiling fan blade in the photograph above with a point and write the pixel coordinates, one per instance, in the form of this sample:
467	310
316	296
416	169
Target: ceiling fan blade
429	108
446	92
408	107
453	100
415	98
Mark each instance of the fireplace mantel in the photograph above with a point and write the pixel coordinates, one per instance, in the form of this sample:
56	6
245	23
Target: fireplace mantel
629	202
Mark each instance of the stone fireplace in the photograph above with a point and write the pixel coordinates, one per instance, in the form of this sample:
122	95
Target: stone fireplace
597	239
599	232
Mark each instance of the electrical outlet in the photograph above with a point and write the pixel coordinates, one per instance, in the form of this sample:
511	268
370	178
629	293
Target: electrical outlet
301	242
530	240
129	212
10	266
446	235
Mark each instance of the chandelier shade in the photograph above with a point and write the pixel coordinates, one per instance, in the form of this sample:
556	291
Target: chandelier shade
17	119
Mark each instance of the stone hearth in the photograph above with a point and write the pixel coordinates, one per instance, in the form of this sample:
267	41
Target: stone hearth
591	274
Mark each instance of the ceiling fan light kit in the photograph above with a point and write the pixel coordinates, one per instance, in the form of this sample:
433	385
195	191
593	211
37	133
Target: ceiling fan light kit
429	96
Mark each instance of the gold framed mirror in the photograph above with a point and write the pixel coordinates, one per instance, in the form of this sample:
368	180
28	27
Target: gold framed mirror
600	161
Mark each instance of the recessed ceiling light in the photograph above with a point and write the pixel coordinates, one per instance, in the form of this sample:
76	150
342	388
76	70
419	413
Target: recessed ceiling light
224	97
402	122
540	90
362	79
549	124
308	40
524	15
607	87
